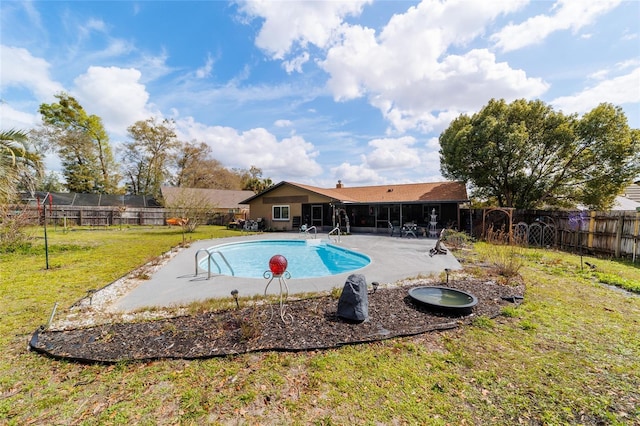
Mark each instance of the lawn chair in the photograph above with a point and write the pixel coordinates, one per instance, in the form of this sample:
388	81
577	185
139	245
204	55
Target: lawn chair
409	229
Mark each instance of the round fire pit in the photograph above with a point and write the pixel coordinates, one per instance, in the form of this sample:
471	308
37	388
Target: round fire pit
444	299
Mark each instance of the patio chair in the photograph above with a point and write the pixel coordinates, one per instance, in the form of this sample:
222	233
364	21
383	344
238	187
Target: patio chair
409	229
394	229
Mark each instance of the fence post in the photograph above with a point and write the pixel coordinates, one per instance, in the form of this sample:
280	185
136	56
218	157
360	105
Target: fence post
592	228
619	227
636	235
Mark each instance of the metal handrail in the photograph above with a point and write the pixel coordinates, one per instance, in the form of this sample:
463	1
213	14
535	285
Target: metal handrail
315	231
211	259
336	229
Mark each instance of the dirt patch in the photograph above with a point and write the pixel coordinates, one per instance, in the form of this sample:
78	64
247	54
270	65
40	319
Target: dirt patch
308	324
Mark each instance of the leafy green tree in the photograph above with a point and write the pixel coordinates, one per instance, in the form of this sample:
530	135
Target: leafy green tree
50	182
82	144
252	180
18	164
148	157
527	155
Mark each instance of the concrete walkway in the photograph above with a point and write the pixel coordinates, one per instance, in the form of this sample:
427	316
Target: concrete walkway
392	259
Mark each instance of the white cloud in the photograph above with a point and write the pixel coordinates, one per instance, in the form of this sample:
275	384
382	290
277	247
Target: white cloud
391	153
288	158
388	160
407	71
286	24
115	49
21	69
355	175
433	143
152	67
11	118
569	14
115	95
615	69
205	70
409	74
619	90
283	123
296	63
95	25
599	75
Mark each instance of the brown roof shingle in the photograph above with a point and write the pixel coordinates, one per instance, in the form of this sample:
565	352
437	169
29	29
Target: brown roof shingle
410	192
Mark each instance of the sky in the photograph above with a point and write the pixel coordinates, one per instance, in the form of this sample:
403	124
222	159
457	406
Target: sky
315	91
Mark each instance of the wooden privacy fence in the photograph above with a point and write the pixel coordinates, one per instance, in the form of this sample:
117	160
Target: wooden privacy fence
97	216
66	216
611	233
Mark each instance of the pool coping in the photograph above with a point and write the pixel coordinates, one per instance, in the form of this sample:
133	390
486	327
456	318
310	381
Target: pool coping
175	283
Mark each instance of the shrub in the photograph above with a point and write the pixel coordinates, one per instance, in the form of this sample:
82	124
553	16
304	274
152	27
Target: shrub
12	235
456	240
497	236
508	260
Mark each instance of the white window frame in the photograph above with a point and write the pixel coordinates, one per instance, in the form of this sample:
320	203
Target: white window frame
280	207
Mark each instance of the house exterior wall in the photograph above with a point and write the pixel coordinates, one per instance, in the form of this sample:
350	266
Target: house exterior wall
305	207
285	196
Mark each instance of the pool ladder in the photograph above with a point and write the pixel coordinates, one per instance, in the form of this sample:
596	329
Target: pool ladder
336	231
307	231
210	259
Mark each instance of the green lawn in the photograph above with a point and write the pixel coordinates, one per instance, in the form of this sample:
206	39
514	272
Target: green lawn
569	354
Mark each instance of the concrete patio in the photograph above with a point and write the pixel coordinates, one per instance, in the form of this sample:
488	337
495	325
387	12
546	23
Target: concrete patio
392	259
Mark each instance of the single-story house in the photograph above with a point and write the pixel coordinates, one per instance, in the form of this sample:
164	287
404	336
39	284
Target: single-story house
289	206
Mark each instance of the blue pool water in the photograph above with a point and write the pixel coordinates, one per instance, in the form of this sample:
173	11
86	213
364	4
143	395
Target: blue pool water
306	258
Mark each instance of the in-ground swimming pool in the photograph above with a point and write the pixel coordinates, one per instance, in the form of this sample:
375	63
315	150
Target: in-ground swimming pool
306	258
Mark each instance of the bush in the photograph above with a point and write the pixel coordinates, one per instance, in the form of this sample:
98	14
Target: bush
456	240
508	260
12	235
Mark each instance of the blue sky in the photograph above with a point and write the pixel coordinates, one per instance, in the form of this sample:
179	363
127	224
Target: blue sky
316	91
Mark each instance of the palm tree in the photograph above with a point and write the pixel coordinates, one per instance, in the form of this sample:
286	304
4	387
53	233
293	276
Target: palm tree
16	162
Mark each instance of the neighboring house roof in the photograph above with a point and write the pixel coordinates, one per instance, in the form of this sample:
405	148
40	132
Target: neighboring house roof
624	203
403	193
632	192
216	198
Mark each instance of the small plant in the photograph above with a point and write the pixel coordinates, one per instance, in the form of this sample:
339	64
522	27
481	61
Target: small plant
336	292
528	325
249	324
497	236
510	312
483	322
12	235
508	260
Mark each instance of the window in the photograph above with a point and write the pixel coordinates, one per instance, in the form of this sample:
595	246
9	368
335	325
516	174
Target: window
280	212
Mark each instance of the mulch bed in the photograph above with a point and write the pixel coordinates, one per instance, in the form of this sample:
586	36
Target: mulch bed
309	324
